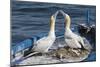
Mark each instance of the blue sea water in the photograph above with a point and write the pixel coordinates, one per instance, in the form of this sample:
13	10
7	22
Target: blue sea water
31	18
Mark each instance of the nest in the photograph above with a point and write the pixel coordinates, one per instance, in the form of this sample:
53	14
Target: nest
66	54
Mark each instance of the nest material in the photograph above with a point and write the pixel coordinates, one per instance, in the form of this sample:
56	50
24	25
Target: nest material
69	55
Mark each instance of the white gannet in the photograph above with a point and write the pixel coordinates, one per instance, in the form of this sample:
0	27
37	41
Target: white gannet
43	44
73	40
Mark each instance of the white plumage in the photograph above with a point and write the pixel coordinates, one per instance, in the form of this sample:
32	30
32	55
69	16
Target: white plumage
73	40
43	44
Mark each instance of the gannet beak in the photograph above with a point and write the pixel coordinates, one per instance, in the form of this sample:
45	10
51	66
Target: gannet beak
55	15
63	13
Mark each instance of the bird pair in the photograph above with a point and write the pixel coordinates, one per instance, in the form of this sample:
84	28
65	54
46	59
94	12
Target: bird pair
72	40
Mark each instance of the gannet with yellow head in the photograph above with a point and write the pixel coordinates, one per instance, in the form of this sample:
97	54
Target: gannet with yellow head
72	40
43	44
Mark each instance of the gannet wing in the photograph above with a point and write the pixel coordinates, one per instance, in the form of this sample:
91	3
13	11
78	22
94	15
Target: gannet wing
79	40
38	41
84	43
72	42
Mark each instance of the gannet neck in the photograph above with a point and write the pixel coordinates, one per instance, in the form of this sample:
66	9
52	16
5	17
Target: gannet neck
52	26
67	22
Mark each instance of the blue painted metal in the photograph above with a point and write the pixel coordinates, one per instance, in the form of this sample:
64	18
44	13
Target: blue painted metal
25	44
22	45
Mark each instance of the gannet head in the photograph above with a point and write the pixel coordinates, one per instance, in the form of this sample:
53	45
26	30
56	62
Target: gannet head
52	24
52	20
53	17
67	18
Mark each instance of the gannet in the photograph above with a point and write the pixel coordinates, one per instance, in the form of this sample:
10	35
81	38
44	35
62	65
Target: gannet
43	44
73	40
